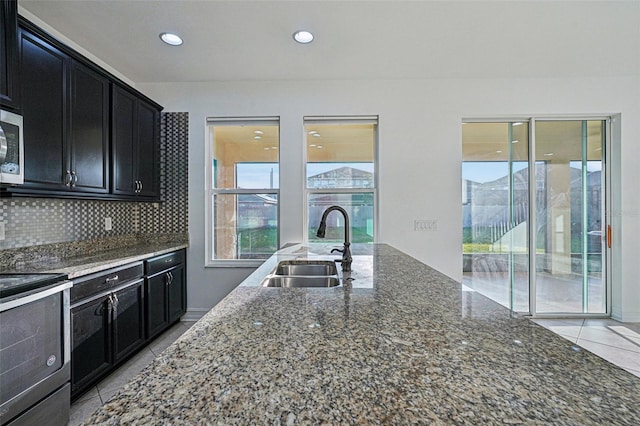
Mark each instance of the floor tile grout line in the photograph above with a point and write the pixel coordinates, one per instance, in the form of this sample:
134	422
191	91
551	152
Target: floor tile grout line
609	346
99	395
580	332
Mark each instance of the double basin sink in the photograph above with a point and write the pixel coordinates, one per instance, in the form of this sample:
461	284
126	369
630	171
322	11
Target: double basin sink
303	273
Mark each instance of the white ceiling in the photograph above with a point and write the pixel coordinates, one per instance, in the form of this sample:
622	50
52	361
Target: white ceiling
252	40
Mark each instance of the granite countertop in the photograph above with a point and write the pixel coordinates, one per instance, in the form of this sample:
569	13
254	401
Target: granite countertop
78	266
408	346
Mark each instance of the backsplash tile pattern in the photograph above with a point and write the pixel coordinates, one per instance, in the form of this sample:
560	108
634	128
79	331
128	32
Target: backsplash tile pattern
170	216
37	221
40	221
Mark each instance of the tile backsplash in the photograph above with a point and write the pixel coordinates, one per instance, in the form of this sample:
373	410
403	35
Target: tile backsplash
38	221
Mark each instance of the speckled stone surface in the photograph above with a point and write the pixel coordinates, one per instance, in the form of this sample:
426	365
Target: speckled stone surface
86	257
407	347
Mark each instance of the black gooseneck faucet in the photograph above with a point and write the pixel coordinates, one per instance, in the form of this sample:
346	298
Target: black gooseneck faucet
346	252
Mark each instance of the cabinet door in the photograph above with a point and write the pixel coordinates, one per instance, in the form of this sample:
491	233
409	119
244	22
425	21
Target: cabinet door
90	342
123	140
157	303
89	130
177	294
128	320
9	54
147	149
43	78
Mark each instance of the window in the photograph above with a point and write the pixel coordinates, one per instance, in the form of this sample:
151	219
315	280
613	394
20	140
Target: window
340	170
243	183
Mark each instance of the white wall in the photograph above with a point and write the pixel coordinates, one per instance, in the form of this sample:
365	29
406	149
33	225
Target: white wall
419	157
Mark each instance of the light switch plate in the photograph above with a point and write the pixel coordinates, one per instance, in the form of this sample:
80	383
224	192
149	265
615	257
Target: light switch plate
425	225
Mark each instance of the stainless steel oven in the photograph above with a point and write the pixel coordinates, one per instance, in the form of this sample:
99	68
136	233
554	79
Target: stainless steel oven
35	349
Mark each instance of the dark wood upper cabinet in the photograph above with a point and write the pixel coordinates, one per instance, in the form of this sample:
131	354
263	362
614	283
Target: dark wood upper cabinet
135	148
65	108
86	133
44	111
89	130
9	55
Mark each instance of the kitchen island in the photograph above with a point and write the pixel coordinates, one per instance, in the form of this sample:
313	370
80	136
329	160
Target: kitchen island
401	343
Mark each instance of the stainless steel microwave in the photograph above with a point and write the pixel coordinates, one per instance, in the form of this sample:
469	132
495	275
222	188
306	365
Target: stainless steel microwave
11	148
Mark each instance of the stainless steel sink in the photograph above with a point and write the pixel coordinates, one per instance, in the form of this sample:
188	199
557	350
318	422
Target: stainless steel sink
300	281
306	268
303	273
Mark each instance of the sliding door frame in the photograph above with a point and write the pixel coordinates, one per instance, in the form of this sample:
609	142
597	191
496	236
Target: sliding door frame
532	225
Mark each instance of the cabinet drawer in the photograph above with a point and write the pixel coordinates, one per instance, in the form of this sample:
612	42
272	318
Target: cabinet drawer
105	280
164	262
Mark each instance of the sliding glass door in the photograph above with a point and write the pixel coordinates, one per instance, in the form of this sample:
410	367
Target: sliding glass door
534	241
569	216
495	208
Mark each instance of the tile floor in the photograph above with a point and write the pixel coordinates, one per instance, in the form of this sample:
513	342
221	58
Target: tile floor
105	389
618	343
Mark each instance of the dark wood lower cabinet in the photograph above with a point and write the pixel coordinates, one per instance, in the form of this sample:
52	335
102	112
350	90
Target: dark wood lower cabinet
125	313
128	320
166	293
91	342
177	294
157	298
106	329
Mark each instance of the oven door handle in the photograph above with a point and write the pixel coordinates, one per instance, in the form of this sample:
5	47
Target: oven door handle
36	295
3	146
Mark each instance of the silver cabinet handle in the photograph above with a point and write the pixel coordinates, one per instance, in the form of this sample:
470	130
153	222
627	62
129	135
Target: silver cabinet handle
113	302
141	186
68	178
74	178
112	279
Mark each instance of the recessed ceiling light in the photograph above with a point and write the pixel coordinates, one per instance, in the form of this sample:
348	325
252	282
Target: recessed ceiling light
515	141
302	36
258	132
319	147
548	154
316	135
172	39
498	152
517	124
257	137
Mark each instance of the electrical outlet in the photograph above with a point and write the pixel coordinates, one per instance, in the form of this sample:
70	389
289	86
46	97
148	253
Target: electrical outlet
425	225
107	224
1	231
